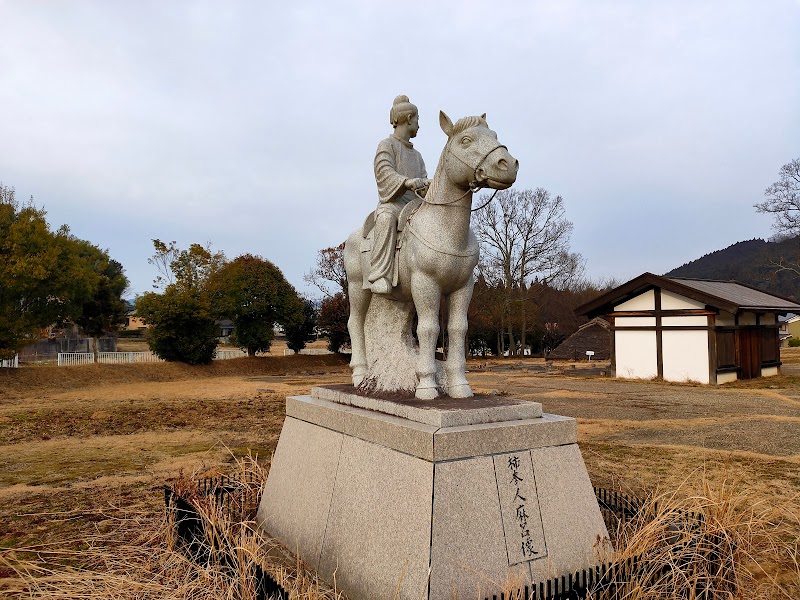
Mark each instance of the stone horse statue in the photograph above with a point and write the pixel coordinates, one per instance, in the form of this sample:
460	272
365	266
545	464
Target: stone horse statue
437	256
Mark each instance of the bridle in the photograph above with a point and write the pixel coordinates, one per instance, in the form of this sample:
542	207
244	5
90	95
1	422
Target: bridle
474	186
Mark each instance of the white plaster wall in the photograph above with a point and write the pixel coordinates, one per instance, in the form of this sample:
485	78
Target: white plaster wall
670	301
769	372
747	319
768	319
685	355
678	321
644	301
634	321
724	319
726	377
635	353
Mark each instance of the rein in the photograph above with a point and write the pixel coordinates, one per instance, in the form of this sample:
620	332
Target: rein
474	186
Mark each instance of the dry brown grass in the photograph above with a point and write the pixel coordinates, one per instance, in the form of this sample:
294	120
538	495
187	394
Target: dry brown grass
135	554
84	452
718	542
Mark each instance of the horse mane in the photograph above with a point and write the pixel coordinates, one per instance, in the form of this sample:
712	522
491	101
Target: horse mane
461	125
467	122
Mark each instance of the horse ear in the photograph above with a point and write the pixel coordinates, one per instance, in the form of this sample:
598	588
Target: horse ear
445	123
483	116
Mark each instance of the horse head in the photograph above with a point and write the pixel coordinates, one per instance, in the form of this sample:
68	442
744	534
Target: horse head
473	158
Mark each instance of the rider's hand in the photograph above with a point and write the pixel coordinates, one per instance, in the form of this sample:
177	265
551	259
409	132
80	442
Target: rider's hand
415	184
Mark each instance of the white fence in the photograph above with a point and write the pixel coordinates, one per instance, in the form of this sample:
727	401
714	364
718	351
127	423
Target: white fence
11	363
68	359
117	358
226	354
313	351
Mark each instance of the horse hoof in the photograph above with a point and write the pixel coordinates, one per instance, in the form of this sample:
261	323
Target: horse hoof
359	374
427	393
460	391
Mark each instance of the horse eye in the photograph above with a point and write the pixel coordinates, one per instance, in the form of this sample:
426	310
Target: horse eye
465	140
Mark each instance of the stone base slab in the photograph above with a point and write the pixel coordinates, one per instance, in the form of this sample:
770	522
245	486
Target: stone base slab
441	412
393	508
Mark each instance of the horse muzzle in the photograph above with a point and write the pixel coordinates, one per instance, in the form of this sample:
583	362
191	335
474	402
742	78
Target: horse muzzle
498	170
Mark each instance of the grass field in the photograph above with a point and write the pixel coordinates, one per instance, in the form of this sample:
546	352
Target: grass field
83	448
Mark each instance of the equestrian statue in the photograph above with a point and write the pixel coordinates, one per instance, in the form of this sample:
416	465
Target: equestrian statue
416	249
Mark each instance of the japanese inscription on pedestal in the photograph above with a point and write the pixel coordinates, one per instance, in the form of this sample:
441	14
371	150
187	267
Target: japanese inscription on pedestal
519	504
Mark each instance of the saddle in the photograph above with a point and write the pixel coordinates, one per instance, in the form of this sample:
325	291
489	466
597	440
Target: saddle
367	232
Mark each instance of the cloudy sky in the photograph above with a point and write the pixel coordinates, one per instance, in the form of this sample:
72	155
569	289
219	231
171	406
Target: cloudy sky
253	125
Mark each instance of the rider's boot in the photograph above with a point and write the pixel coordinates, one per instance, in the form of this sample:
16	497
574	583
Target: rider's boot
382	286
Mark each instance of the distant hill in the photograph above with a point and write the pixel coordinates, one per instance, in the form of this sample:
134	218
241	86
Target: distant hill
750	263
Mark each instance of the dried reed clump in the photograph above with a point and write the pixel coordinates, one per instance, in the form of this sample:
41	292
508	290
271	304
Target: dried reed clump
139	556
719	544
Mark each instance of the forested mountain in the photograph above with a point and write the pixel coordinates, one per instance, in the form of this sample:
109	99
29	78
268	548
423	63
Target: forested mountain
751	262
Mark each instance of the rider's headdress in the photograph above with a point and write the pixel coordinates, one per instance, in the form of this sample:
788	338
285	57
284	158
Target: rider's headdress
401	108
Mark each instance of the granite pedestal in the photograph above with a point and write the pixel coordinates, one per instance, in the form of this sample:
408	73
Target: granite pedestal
400	498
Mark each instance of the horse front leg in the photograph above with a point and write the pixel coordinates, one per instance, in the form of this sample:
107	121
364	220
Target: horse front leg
426	294
456	365
359	303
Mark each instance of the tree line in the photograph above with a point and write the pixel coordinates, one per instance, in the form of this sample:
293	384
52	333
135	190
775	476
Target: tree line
198	287
52	278
527	283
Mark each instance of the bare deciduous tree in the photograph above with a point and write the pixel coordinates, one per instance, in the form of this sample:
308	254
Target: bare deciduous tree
783	200
329	269
525	236
783	203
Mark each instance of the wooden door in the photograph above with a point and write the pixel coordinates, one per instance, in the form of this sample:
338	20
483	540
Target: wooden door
749	342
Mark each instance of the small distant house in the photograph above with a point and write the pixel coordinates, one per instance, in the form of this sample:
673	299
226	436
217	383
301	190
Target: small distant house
790	327
594	337
783	327
691	329
226	327
134	323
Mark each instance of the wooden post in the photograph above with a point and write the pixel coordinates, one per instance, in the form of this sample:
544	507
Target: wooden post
659	336
712	350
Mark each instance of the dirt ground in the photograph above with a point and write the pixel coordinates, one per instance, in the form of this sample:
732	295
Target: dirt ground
78	442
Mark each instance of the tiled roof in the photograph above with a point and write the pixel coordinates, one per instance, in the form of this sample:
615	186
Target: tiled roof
724	295
742	296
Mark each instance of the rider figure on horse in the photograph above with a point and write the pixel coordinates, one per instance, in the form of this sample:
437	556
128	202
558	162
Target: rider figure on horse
399	172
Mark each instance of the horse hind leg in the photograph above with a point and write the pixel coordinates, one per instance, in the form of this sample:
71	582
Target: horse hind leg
359	303
456	366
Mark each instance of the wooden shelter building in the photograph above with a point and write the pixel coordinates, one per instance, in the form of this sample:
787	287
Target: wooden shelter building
691	329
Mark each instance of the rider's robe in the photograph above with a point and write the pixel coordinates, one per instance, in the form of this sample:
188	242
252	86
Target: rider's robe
395	161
